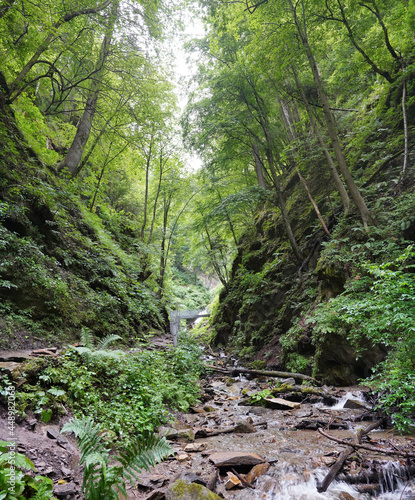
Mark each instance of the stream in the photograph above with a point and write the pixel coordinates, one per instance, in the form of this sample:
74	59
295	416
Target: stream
299	458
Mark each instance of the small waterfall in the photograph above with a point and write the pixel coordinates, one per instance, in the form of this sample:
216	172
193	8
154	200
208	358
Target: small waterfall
288	483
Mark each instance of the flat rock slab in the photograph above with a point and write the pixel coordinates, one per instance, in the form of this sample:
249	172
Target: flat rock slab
235	458
281	404
18	356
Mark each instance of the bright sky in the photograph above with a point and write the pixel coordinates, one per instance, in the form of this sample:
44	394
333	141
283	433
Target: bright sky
185	69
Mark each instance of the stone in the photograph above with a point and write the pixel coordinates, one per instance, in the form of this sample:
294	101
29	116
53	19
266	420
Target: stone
168	432
354	404
244	428
52	432
190	477
63	490
65	471
235	458
232	481
183	490
346	496
280	404
195	409
157	495
209	409
194	447
258	470
182	457
187	434
288	381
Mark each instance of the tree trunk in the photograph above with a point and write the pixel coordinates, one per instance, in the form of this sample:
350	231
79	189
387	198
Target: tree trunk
336	177
328	117
76	150
258	167
148	161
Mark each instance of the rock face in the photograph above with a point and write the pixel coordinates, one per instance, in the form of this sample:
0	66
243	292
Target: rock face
183	490
268	297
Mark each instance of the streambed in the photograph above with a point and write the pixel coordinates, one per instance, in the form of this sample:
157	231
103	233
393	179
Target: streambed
299	458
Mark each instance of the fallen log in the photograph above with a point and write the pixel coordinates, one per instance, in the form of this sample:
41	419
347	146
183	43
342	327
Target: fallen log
264	373
223	430
322	487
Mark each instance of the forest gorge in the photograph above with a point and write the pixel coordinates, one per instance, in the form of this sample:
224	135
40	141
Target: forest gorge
297	231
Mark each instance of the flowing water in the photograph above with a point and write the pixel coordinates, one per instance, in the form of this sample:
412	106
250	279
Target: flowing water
302	457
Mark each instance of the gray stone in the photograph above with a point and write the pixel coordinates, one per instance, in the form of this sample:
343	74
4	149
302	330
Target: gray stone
288	381
354	404
52	432
244	428
280	404
235	458
63	490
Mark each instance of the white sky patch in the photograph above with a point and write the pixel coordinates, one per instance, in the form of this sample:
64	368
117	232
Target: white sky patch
185	69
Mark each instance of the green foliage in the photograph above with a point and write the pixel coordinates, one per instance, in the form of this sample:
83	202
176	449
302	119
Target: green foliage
127	394
261	396
15	484
102	479
379	306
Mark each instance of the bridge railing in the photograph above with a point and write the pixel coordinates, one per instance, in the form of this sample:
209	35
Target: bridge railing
177	315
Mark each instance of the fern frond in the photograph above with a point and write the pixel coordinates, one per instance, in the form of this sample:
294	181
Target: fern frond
87	338
107	354
89	437
106	341
144	453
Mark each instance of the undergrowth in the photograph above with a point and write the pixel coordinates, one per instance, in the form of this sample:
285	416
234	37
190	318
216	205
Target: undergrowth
127	394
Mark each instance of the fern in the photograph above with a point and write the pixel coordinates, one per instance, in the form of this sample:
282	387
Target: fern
98	349
103	481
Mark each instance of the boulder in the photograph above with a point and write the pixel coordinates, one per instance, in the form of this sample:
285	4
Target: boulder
244	428
280	404
235	459
183	490
354	404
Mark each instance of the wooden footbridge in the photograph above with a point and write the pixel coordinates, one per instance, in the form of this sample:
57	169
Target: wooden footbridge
178	315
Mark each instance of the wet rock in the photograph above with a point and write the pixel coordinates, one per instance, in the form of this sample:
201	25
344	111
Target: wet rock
194	447
183	490
231	481
258	470
354	404
182	457
244	428
280	404
288	381
346	496
168	432
235	458
187	434
64	490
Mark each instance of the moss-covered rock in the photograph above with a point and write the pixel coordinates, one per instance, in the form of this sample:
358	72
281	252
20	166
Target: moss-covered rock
183	490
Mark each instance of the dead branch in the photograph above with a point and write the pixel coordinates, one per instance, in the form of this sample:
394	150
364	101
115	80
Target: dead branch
348	451
384	451
264	373
243	480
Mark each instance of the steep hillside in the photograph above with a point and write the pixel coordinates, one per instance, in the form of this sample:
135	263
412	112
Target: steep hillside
268	311
61	267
